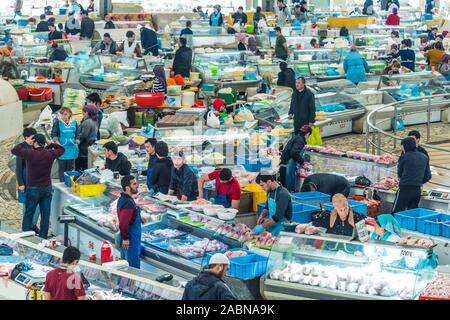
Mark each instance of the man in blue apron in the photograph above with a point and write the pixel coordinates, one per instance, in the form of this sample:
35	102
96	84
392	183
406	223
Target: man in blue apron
278	207
129	223
228	190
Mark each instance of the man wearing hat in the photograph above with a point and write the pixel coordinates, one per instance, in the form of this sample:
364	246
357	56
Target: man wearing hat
209	284
39	160
183	182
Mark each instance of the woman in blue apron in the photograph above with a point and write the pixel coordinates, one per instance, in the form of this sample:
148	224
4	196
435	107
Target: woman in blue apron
279	207
216	20
133	254
64	132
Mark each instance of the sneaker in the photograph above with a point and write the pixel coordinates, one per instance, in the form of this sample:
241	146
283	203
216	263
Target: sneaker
35	229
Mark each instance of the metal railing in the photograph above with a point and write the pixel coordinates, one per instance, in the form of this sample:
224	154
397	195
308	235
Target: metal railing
374	133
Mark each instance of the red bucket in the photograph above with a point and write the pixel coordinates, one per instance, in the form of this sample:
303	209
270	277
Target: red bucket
23	94
37	95
48	93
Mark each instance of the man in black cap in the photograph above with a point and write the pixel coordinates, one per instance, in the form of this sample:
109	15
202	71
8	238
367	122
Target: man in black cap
39	160
413	170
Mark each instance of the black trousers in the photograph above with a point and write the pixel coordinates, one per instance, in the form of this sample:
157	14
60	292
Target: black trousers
407	197
63	166
81	164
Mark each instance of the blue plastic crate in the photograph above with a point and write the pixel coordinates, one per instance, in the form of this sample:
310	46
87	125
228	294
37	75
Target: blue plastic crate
408	219
261	207
445	229
313	198
359	207
254	162
432	224
67	176
301	212
248	267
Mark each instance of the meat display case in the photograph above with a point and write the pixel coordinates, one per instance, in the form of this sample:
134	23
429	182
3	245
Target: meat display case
130	283
330	267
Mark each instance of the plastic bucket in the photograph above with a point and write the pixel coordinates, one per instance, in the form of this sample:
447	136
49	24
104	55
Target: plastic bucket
188	99
174	101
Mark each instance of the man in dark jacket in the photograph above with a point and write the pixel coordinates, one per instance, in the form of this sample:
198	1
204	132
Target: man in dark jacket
416	135
240	17
327	183
162	169
413	170
303	105
286	77
187	30
109	24
58	53
116	161
150	144
87	26
149	41
39	160
183	182
183	59
42	26
291	156
209	284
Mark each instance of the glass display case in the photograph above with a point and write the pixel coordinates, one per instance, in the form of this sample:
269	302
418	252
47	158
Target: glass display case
222	40
333	267
31	45
274	112
312	62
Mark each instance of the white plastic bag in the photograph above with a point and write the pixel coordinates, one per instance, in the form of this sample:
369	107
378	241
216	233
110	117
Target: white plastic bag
212	120
246	114
46	114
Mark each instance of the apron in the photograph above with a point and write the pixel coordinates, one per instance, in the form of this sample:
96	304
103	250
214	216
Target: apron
222	199
272	204
133	254
215	19
67	140
128	52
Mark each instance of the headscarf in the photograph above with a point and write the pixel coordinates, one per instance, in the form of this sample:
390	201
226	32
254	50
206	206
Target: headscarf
339	202
218	103
445	58
240	37
394	11
444	33
160	74
389	224
92	111
251	44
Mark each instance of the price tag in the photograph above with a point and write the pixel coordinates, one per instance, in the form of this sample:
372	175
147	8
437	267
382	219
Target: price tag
406	253
285	240
361	229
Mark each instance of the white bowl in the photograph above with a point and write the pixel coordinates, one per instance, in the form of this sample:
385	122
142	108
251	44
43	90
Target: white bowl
227	214
212	210
198	207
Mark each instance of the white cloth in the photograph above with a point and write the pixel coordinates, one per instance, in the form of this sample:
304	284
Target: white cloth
128	51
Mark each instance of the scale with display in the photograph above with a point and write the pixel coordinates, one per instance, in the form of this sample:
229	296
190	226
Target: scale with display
442	194
31	277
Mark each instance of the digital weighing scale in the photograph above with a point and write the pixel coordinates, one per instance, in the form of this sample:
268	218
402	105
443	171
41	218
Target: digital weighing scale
31	277
441	194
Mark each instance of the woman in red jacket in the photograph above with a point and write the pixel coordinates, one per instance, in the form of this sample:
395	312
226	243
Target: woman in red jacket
393	19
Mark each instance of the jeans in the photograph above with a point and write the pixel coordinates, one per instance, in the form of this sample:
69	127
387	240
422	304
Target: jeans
291	175
63	166
41	196
35	217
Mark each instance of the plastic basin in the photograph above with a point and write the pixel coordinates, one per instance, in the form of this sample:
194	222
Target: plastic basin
149	99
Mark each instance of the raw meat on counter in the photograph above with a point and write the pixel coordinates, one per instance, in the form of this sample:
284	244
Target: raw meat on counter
106	295
200	202
270	152
154	208
265	239
198	248
164	233
234	254
387	183
383	159
198	218
238	231
244	177
387	159
416	242
438	288
306	229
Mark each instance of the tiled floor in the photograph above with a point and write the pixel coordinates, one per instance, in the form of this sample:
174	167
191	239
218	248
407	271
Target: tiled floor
11	211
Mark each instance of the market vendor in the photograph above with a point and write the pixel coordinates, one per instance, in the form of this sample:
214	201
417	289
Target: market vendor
341	220
58	53
129	215
86	135
327	183
159	82
228	190
149	41
216	18
219	107
116	161
53	33
387	228
109	24
183	182
42	26
130	47
107	46
187	30
72	25
183	59
292	156
278	206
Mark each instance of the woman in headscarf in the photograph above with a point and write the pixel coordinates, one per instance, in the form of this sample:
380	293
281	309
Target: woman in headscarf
240	37
73	26
87	135
251	45
159	83
386	229
444	68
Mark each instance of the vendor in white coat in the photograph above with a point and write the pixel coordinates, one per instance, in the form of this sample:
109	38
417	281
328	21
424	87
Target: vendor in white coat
130	48
278	208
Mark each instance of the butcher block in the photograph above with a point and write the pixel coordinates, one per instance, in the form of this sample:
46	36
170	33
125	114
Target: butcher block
177	121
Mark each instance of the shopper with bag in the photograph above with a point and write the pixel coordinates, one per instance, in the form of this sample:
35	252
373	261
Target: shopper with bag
303	105
39	160
64	132
21	174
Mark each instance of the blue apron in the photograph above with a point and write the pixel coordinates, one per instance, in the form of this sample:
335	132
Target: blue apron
215	19
67	139
133	254
222	199
272	204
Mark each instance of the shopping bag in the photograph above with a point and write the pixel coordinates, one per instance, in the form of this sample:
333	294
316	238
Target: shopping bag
212	120
315	139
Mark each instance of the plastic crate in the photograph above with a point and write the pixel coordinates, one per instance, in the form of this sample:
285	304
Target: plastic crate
313	198
408	218
302	212
90	190
259	195
68	177
254	162
359	207
248	267
445	229
429	225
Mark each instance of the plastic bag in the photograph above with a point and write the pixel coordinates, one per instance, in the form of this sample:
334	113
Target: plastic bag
212	120
46	114
315	139
246	114
114	127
